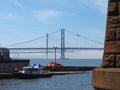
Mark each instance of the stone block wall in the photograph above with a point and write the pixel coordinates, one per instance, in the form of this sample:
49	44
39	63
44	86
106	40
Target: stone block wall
111	57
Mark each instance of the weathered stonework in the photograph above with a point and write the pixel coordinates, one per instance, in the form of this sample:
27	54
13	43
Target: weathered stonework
110	35
107	77
109	60
111	56
118	60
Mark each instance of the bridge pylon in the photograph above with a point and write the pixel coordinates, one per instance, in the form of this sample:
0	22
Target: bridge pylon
47	44
62	43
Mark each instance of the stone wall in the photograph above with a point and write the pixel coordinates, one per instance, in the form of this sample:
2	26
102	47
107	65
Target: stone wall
106	79
111	57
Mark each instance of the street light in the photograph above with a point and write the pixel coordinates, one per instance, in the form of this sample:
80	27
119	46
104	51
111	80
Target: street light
78	35
55	54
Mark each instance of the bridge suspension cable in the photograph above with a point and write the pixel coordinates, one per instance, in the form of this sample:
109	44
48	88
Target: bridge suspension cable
26	41
83	37
38	38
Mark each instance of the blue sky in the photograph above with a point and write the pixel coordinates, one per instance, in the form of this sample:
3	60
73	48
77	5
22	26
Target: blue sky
22	20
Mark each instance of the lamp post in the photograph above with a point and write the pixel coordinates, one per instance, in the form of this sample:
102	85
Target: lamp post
55	54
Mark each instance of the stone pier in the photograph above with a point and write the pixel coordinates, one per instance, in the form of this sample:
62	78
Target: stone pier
107	76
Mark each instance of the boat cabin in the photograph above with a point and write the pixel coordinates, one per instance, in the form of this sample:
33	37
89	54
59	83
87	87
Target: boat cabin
32	70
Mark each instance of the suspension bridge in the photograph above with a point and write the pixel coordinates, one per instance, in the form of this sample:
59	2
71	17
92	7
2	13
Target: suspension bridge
59	42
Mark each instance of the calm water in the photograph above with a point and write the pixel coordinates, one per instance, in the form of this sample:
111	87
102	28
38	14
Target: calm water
72	62
61	82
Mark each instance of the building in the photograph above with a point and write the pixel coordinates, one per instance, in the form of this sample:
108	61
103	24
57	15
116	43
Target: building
7	65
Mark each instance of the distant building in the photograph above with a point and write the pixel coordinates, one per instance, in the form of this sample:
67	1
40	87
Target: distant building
4	54
7	65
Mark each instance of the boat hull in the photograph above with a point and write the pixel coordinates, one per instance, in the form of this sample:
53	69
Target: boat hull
29	76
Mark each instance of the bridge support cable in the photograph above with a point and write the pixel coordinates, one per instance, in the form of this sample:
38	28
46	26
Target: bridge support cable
85	38
32	40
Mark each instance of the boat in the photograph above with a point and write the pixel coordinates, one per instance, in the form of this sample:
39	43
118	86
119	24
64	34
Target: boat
35	71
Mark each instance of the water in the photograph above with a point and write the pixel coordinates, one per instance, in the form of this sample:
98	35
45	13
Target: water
60	82
80	81
71	62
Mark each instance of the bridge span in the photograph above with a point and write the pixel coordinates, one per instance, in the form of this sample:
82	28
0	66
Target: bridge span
50	50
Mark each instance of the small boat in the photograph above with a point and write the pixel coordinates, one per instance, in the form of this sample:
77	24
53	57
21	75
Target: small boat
32	72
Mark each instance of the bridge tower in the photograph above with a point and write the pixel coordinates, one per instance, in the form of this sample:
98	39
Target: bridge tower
47	44
62	43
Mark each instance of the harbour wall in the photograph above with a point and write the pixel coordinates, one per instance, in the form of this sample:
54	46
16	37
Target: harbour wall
71	68
106	78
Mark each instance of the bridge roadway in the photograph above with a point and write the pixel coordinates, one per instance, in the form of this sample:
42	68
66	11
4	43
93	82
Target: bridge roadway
50	50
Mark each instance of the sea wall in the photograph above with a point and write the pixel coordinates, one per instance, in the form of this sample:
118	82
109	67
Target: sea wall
106	78
71	68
